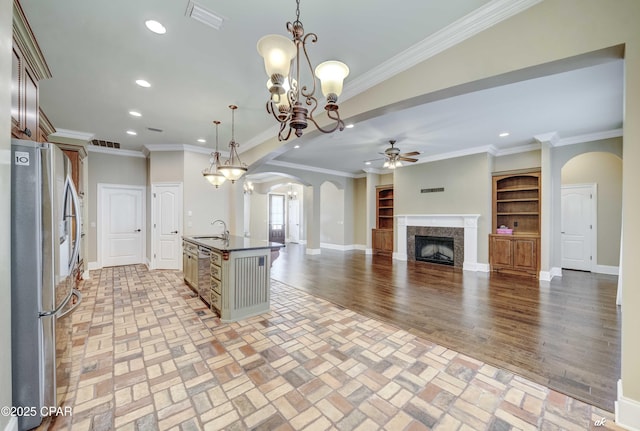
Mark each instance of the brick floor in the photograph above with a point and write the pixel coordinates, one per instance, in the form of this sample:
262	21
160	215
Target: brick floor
149	356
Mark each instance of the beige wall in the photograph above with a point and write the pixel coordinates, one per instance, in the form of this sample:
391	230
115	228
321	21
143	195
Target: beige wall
360	211
467	190
109	169
203	203
331	214
6	14
258	226
605	170
525	160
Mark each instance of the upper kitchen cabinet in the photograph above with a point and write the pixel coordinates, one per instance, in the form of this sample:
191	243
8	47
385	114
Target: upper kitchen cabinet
27	69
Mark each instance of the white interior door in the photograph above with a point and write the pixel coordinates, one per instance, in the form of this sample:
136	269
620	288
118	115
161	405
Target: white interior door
294	221
167	226
577	226
122	229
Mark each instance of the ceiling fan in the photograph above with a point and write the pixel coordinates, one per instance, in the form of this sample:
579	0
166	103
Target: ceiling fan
394	158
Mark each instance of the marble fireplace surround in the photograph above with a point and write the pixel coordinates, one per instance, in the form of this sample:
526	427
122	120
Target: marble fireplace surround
469	222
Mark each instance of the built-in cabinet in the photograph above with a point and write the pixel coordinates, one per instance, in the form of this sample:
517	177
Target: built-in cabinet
28	67
516	214
190	264
382	235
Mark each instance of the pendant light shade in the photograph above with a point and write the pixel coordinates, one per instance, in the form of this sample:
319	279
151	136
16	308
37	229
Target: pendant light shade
211	173
233	169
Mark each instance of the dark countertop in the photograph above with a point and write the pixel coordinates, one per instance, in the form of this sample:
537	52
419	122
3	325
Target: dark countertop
235	243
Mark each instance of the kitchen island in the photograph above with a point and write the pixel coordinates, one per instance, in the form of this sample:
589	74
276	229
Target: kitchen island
231	275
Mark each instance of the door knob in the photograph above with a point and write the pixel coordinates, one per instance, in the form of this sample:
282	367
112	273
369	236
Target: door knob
137	230
174	231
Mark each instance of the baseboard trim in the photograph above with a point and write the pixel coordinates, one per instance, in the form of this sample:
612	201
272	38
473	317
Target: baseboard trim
339	247
313	251
607	269
399	256
476	267
627	411
548	275
12	425
93	265
86	275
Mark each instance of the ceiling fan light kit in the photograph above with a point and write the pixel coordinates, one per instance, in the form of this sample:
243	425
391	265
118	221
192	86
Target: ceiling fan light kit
287	96
394	159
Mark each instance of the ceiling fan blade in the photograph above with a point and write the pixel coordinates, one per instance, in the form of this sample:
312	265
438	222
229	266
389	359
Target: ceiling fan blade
412	153
407	159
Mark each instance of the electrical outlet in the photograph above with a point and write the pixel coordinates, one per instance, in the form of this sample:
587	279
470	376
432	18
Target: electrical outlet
515	224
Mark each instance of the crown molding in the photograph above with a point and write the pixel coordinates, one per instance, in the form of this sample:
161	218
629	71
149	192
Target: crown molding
550	138
25	40
519	149
179	147
115	151
73	134
468	26
590	137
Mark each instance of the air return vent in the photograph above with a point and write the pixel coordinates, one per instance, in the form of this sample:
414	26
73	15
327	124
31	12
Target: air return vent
207	17
107	144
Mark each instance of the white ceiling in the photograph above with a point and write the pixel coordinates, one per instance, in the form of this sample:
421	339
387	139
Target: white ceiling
96	50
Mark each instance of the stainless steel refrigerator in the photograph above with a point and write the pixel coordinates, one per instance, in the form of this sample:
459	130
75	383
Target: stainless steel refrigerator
45	242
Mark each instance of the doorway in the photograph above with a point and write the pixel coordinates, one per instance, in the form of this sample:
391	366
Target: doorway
166	221
121	227
579	226
276	218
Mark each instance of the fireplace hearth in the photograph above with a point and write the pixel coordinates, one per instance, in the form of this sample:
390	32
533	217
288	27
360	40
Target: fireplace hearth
435	249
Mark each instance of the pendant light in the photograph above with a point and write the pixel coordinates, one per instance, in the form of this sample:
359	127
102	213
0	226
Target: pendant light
233	169
283	59
211	173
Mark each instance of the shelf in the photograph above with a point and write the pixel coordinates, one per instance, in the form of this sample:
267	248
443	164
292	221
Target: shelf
518	200
517	189
533	213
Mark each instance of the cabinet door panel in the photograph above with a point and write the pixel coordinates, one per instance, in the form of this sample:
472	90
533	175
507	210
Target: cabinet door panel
501	251
525	254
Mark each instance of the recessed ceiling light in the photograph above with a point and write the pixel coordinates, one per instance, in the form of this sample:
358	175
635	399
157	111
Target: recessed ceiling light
504	134
367	163
143	83
155	26
131	132
135	113
296	146
349	126
202	141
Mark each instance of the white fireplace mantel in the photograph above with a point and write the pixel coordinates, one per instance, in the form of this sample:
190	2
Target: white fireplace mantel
467	221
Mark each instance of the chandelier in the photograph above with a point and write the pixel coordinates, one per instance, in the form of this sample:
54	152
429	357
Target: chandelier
233	168
211	173
287	95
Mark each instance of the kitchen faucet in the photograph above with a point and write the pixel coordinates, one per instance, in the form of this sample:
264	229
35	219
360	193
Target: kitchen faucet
225	232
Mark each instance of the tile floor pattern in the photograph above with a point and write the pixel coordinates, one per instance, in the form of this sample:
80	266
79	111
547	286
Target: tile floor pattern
148	356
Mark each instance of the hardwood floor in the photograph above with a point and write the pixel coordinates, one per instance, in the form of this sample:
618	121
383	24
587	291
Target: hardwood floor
564	334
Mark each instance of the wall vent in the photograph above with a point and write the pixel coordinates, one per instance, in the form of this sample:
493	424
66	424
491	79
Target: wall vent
207	17
433	190
107	144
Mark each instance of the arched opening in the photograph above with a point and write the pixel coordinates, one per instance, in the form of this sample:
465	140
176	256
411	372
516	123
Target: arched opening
591	212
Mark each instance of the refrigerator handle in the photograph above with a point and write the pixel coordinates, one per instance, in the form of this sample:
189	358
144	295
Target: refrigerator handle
78	295
70	188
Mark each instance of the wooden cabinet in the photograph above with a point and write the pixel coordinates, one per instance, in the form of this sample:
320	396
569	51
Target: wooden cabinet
516	206
515	254
190	265
27	68
382	235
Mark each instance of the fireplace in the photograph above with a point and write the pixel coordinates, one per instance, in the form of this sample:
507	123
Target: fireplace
435	249
462	227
